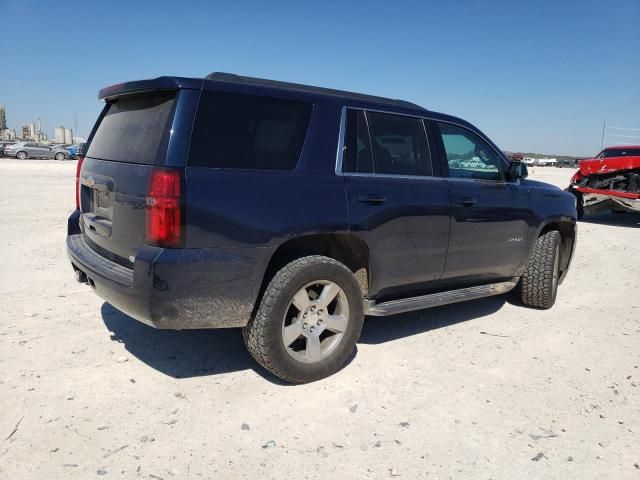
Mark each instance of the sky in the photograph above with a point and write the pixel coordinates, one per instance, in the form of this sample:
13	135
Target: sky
534	76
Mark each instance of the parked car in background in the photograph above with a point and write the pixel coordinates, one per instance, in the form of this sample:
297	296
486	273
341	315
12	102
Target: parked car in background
294	211
610	181
4	145
73	150
60	152
568	163
24	150
515	157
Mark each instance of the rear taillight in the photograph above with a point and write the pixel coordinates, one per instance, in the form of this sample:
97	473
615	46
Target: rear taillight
164	210
78	168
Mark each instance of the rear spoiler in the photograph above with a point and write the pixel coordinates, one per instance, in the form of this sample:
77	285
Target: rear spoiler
161	83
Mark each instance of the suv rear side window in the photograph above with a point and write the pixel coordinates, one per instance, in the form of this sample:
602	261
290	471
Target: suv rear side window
357	157
134	130
248	132
399	145
468	155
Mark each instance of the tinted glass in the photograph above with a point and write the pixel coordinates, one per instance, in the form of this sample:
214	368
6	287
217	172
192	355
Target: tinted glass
468	155
619	152
399	145
134	130
248	132
357	156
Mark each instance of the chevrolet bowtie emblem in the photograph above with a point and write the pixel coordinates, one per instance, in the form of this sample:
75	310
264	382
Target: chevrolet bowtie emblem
91	182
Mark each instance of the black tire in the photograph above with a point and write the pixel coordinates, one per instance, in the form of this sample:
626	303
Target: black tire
59	156
263	334
539	283
21	155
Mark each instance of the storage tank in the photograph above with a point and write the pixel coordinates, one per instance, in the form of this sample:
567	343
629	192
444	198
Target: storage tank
58	134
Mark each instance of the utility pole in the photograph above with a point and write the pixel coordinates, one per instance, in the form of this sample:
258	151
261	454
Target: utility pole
604	127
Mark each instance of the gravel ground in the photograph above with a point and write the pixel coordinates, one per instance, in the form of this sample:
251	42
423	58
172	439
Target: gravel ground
485	389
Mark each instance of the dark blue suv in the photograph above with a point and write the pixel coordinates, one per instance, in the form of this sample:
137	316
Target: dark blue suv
295	211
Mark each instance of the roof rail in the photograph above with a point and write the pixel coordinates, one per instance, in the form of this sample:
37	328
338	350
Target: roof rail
263	82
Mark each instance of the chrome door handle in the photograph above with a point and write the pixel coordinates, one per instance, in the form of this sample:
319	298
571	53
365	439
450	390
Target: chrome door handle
467	201
372	199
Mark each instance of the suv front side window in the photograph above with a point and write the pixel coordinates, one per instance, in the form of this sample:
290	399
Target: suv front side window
468	155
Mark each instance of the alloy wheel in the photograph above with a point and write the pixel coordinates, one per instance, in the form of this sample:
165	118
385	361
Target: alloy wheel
315	322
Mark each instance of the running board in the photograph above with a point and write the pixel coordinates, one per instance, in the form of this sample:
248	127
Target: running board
436	299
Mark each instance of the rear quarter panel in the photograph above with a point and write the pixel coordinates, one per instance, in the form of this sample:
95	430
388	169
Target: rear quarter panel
248	213
236	209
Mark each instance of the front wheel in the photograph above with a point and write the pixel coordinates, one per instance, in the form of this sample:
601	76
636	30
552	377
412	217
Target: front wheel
21	155
59	156
308	321
539	283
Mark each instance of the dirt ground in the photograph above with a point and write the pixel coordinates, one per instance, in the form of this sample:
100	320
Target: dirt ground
485	389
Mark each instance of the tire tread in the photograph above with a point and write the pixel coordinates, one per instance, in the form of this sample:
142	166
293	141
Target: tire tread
536	284
254	333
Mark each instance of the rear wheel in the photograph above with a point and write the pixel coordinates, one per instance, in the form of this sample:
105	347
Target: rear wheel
539	283
308	321
59	156
21	155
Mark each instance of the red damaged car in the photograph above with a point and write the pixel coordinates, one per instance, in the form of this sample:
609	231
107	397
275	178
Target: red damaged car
610	181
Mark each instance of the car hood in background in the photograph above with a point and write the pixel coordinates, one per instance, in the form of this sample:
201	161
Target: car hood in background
606	165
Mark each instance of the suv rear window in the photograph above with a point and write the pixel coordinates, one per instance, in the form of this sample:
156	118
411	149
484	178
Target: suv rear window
134	130
248	132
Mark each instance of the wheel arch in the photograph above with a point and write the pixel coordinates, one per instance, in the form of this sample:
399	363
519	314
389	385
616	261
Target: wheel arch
346	248
568	231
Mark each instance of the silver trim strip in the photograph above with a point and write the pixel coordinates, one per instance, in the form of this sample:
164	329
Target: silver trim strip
392	176
341	145
388	112
340	152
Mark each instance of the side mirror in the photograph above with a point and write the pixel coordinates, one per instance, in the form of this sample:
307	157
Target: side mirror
517	170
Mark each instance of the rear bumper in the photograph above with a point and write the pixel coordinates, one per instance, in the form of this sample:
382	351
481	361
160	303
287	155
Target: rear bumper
176	288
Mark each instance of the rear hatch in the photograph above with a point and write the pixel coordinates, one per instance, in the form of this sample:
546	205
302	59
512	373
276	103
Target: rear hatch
129	142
